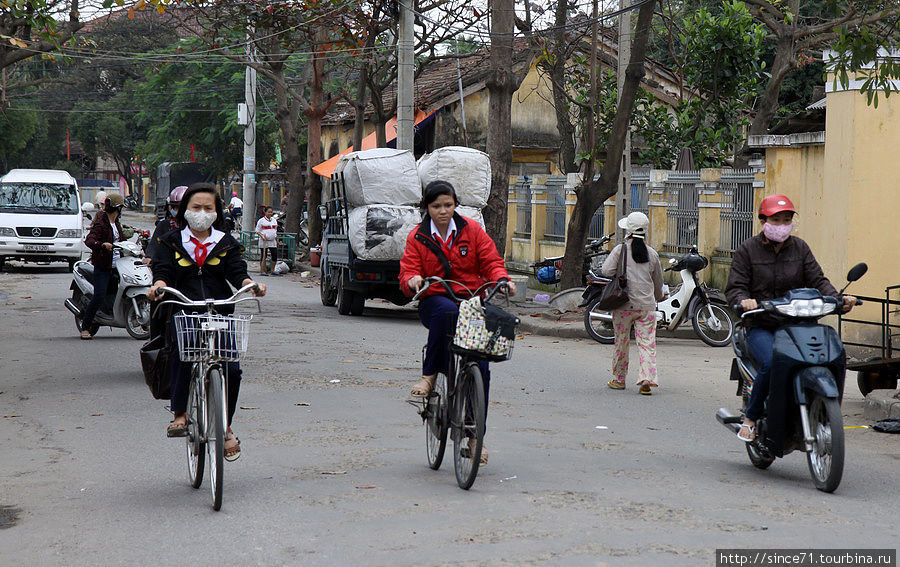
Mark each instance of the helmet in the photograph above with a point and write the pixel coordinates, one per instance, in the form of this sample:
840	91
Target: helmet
234	193
693	262
114	200
774	204
176	194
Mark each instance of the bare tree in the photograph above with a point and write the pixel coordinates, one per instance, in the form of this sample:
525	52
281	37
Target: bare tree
591	194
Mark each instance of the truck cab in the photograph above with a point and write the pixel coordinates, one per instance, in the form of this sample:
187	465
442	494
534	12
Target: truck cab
40	217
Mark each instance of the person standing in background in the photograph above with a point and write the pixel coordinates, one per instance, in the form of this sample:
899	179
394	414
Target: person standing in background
267	230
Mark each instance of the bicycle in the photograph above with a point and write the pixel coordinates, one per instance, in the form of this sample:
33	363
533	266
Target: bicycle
208	340
457	405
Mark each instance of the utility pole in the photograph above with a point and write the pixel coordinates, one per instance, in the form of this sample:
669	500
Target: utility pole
624	192
248	192
405	76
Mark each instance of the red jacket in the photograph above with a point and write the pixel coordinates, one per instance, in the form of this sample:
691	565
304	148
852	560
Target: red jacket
473	259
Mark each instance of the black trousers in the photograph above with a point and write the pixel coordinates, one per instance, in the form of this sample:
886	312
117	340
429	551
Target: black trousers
101	288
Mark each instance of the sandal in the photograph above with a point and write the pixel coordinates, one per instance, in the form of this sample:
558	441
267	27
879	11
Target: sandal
616	384
751	433
466	452
86	335
234	452
423	387
177	429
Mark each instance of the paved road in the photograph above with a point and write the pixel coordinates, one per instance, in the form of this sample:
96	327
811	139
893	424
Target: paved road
87	476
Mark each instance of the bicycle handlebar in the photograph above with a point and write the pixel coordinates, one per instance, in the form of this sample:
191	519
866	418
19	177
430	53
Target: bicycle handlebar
184	301
446	283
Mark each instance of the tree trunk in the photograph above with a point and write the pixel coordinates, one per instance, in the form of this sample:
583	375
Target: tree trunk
360	105
501	86
314	115
591	195
768	105
558	82
287	113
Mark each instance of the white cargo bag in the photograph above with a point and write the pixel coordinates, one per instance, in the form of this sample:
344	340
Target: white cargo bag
468	170
380	176
472	213
378	232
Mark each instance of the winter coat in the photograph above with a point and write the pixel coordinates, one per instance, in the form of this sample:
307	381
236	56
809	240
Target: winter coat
223	265
101	232
472	261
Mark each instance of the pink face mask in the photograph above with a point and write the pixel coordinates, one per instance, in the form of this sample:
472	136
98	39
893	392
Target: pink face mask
777	232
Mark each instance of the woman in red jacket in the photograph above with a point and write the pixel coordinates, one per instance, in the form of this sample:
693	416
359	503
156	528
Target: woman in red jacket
452	247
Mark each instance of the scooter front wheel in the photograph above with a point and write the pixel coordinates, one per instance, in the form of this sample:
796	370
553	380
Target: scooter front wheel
826	460
133	322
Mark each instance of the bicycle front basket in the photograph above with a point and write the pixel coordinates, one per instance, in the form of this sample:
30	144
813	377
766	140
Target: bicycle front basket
484	331
203	337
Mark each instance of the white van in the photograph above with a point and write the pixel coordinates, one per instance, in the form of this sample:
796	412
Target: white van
40	216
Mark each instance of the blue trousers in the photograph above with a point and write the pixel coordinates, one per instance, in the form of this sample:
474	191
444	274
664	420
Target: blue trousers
438	314
761	343
101	287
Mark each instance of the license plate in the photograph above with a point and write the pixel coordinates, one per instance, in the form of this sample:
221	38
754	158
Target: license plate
36	247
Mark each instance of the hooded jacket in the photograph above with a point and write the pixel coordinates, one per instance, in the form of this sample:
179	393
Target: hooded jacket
472	260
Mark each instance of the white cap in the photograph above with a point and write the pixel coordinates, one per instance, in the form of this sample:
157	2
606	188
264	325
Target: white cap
635	224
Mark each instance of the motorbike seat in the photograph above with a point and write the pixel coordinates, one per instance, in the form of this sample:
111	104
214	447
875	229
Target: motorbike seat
86	269
594	276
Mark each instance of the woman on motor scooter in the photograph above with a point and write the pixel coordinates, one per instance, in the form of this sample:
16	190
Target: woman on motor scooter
452	247
767	266
167	223
645	288
104	231
200	261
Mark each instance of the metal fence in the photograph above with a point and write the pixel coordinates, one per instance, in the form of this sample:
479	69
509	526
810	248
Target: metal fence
556	209
640	178
595	229
523	207
682	214
737	208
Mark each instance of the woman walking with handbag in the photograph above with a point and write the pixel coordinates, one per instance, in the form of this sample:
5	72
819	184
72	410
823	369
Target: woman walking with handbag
640	264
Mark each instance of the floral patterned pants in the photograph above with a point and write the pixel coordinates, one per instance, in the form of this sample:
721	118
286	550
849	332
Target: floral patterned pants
644	323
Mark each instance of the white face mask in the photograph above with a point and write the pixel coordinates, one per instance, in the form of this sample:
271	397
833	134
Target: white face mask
199	220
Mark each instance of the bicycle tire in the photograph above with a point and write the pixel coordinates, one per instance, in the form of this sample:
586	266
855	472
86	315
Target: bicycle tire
436	422
194	442
469	419
215	433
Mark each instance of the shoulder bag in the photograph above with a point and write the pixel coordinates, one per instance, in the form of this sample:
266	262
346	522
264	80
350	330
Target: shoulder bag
615	294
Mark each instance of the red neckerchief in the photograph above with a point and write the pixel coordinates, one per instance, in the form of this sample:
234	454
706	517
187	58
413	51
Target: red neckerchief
445	245
200	251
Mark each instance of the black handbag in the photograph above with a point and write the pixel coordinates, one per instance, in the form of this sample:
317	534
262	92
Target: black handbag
155	357
615	294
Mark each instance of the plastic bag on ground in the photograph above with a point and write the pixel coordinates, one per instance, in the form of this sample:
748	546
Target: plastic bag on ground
468	170
380	176
281	267
378	232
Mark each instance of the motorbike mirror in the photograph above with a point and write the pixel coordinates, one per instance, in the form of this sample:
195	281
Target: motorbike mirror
672	261
857	272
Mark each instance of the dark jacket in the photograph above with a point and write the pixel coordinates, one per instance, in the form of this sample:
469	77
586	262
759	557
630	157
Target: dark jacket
162	227
759	272
223	265
101	232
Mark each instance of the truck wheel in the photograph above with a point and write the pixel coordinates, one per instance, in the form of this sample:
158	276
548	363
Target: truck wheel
344	296
358	304
327	289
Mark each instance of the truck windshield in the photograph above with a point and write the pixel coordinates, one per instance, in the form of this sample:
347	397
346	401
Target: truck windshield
45	198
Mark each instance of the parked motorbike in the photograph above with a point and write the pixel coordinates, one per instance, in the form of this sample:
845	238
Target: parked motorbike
230	221
803	408
549	270
127	304
706	307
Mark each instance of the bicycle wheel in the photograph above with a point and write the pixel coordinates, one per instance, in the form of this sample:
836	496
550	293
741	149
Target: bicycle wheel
215	433
469	423
196	446
436	422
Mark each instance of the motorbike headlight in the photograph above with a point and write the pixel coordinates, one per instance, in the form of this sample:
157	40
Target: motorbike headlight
130	280
806	308
6	231
69	233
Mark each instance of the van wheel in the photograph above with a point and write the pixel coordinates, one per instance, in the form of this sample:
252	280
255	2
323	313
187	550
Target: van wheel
2	262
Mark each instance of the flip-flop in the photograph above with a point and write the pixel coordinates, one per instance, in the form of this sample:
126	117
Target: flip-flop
616	385
645	390
236	455
176	430
752	429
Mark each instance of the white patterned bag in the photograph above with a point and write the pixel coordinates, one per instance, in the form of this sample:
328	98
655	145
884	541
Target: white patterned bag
484	331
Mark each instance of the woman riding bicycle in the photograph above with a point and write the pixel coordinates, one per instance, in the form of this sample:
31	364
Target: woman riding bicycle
200	261
452	247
